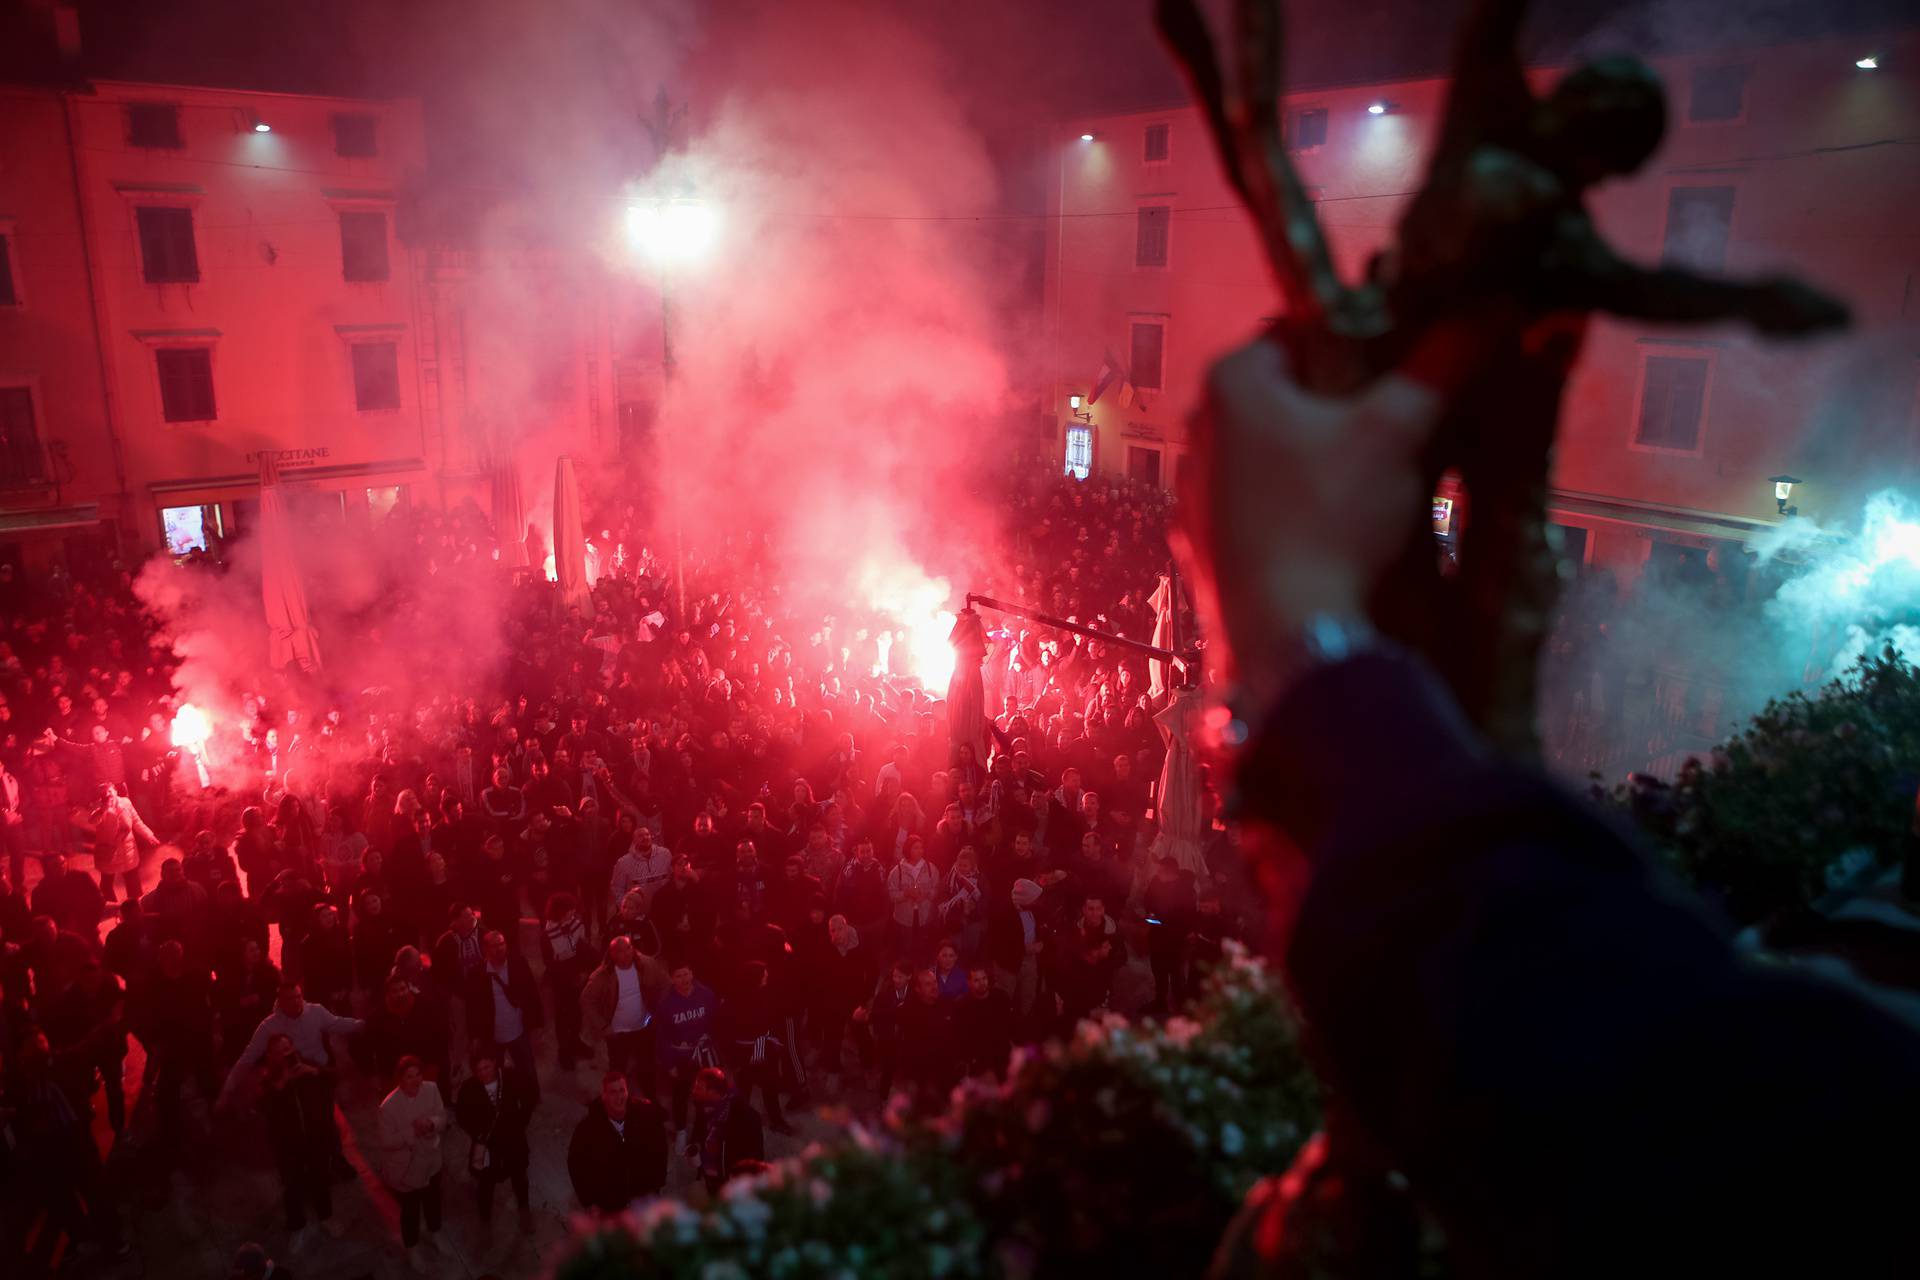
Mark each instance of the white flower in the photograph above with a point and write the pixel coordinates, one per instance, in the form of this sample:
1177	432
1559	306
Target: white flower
1232	1141
1181	1032
752	1214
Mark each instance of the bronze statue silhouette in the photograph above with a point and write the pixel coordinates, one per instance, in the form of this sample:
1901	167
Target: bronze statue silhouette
1499	230
1497	242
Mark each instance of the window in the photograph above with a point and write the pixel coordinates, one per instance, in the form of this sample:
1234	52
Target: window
1079	452
353	135
186	383
1673	395
376	375
1698	220
154	124
383	502
1143	465
363	246
1159	144
1306	129
1149	348
1568	542
186	528
20	461
1717	94
166	245
9	295
1150	237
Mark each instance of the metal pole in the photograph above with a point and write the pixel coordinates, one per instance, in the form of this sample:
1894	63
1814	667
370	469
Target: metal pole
666	378
1092	633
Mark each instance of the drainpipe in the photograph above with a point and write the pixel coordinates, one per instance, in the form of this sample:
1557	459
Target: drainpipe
70	111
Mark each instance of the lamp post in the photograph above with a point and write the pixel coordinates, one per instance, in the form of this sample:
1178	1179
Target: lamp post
672	233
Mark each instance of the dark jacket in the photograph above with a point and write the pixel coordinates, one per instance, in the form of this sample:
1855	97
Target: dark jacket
501	1128
1564	1054
375	940
723	1135
422	1031
983	1032
446	961
326	965
72	899
845	980
611	1170
1007	938
861	895
522	991
927	1047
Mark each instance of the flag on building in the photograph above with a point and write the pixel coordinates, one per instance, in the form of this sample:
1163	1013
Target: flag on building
1110	373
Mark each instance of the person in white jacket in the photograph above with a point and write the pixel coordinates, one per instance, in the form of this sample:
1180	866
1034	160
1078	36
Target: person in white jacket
913	886
645	865
412	1120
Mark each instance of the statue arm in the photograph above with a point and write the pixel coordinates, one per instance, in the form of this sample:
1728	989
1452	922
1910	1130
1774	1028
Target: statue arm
1777	305
1246	132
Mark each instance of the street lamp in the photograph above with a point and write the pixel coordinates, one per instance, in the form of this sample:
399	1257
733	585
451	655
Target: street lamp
673	233
1076	403
1782	490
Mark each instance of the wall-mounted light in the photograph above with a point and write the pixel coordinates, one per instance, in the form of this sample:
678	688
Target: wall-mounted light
1868	63
1379	108
1086	137
261	126
1076	403
1782	490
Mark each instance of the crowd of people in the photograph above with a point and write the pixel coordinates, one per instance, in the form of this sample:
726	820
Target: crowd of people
680	873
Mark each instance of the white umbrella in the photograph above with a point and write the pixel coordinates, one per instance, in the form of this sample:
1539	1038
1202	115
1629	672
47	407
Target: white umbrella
290	633
569	539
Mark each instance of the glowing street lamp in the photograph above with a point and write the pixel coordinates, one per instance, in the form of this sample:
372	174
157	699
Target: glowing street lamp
673	232
1077	403
1868	63
1782	490
1086	137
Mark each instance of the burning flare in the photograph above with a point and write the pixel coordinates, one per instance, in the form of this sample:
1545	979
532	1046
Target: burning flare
191	728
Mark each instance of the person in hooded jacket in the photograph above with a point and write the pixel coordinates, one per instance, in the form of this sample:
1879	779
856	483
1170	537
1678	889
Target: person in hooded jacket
619	1149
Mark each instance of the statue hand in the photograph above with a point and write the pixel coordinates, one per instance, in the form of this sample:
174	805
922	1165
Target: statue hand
1785	306
1299	501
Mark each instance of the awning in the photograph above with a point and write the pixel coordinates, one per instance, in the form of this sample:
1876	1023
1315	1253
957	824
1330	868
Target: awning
1687	520
82	515
391	470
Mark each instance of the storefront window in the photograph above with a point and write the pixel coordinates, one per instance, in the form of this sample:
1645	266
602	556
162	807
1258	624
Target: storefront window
186	528
1079	452
382	503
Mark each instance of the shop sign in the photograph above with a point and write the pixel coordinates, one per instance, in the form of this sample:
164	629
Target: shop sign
286	458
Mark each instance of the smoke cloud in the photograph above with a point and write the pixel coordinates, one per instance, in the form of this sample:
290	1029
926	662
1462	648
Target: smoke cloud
1639	679
842	352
